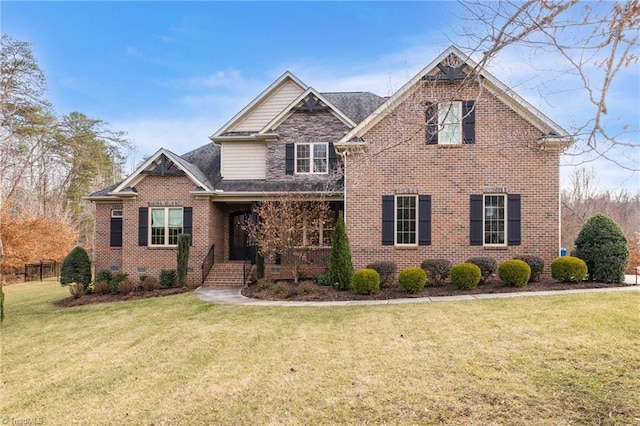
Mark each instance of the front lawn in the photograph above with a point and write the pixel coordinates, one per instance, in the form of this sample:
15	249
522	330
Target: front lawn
570	359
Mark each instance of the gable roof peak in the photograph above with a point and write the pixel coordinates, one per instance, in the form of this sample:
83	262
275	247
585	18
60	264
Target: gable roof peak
286	77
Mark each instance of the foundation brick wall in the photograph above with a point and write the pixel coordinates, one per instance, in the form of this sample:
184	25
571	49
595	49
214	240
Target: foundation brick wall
397	160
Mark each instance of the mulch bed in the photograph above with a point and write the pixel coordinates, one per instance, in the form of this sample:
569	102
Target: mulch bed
89	299
310	291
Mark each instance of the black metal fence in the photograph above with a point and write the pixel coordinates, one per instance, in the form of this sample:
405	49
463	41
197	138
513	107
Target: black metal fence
42	270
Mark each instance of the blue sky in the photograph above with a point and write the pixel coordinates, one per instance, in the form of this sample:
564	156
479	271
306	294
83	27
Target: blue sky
171	73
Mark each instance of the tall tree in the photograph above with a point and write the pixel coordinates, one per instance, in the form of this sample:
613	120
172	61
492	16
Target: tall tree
48	162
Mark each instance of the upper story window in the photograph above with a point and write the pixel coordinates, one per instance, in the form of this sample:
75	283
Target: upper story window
166	224
495	217
450	123
311	157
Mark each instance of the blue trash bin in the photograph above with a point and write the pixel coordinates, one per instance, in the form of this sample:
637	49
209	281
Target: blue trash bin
563	251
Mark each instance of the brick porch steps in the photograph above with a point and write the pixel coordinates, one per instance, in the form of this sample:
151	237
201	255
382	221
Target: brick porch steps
226	274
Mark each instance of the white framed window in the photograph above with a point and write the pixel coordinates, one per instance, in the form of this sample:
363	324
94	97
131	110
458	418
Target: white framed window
450	123
318	232
406	220
116	213
311	157
494	219
166	224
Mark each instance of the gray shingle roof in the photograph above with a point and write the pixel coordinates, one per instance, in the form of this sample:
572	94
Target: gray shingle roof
355	105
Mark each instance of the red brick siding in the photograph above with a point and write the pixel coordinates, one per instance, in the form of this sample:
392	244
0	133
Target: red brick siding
134	259
504	155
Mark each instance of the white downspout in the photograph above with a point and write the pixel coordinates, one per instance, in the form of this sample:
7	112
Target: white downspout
343	154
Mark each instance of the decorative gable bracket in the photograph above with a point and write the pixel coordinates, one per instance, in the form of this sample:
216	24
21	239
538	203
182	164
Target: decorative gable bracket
163	168
311	104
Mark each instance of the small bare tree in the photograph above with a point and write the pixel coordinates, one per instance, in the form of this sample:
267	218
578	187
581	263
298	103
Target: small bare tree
288	225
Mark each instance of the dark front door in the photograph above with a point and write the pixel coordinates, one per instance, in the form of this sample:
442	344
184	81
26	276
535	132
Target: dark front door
238	238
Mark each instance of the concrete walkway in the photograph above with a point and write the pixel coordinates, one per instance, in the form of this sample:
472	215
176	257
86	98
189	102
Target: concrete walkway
232	296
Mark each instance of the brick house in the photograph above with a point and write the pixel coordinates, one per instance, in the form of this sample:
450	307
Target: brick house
453	165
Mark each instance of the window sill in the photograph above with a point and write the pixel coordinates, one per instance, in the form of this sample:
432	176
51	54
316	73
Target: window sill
406	247
162	247
496	247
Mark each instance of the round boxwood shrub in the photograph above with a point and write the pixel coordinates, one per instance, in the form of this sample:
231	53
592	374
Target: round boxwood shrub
514	273
437	269
465	276
366	281
536	264
412	280
603	246
568	269
487	265
386	269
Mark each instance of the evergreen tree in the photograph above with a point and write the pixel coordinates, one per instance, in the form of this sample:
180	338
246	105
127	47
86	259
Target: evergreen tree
604	248
340	265
76	268
183	258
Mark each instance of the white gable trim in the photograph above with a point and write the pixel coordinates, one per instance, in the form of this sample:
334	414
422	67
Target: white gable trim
287	76
280	118
124	188
495	86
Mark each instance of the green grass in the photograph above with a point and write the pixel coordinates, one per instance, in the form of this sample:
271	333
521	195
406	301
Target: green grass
571	359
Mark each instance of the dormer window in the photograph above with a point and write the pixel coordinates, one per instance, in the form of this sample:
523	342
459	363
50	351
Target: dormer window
311	158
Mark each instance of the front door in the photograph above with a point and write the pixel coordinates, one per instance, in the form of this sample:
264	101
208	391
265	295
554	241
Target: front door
238	238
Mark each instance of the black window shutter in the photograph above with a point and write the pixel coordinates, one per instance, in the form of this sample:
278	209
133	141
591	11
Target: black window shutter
424	220
388	218
468	122
333	158
513	212
187	223
289	158
143	226
115	239
431	120
475	229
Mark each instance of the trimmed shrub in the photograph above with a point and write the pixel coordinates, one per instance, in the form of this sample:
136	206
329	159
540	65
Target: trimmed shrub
569	269
264	283
412	280
76	290
127	286
76	268
340	265
386	271
437	269
488	266
281	290
323	279
150	283
168	278
465	276
536	264
104	275
514	273
102	287
604	248
366	281
306	287
183	259
118	277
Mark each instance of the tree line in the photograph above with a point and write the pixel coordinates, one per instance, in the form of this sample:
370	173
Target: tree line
48	162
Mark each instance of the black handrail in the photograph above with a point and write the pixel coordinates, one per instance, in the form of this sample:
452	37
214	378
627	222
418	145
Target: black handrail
208	262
